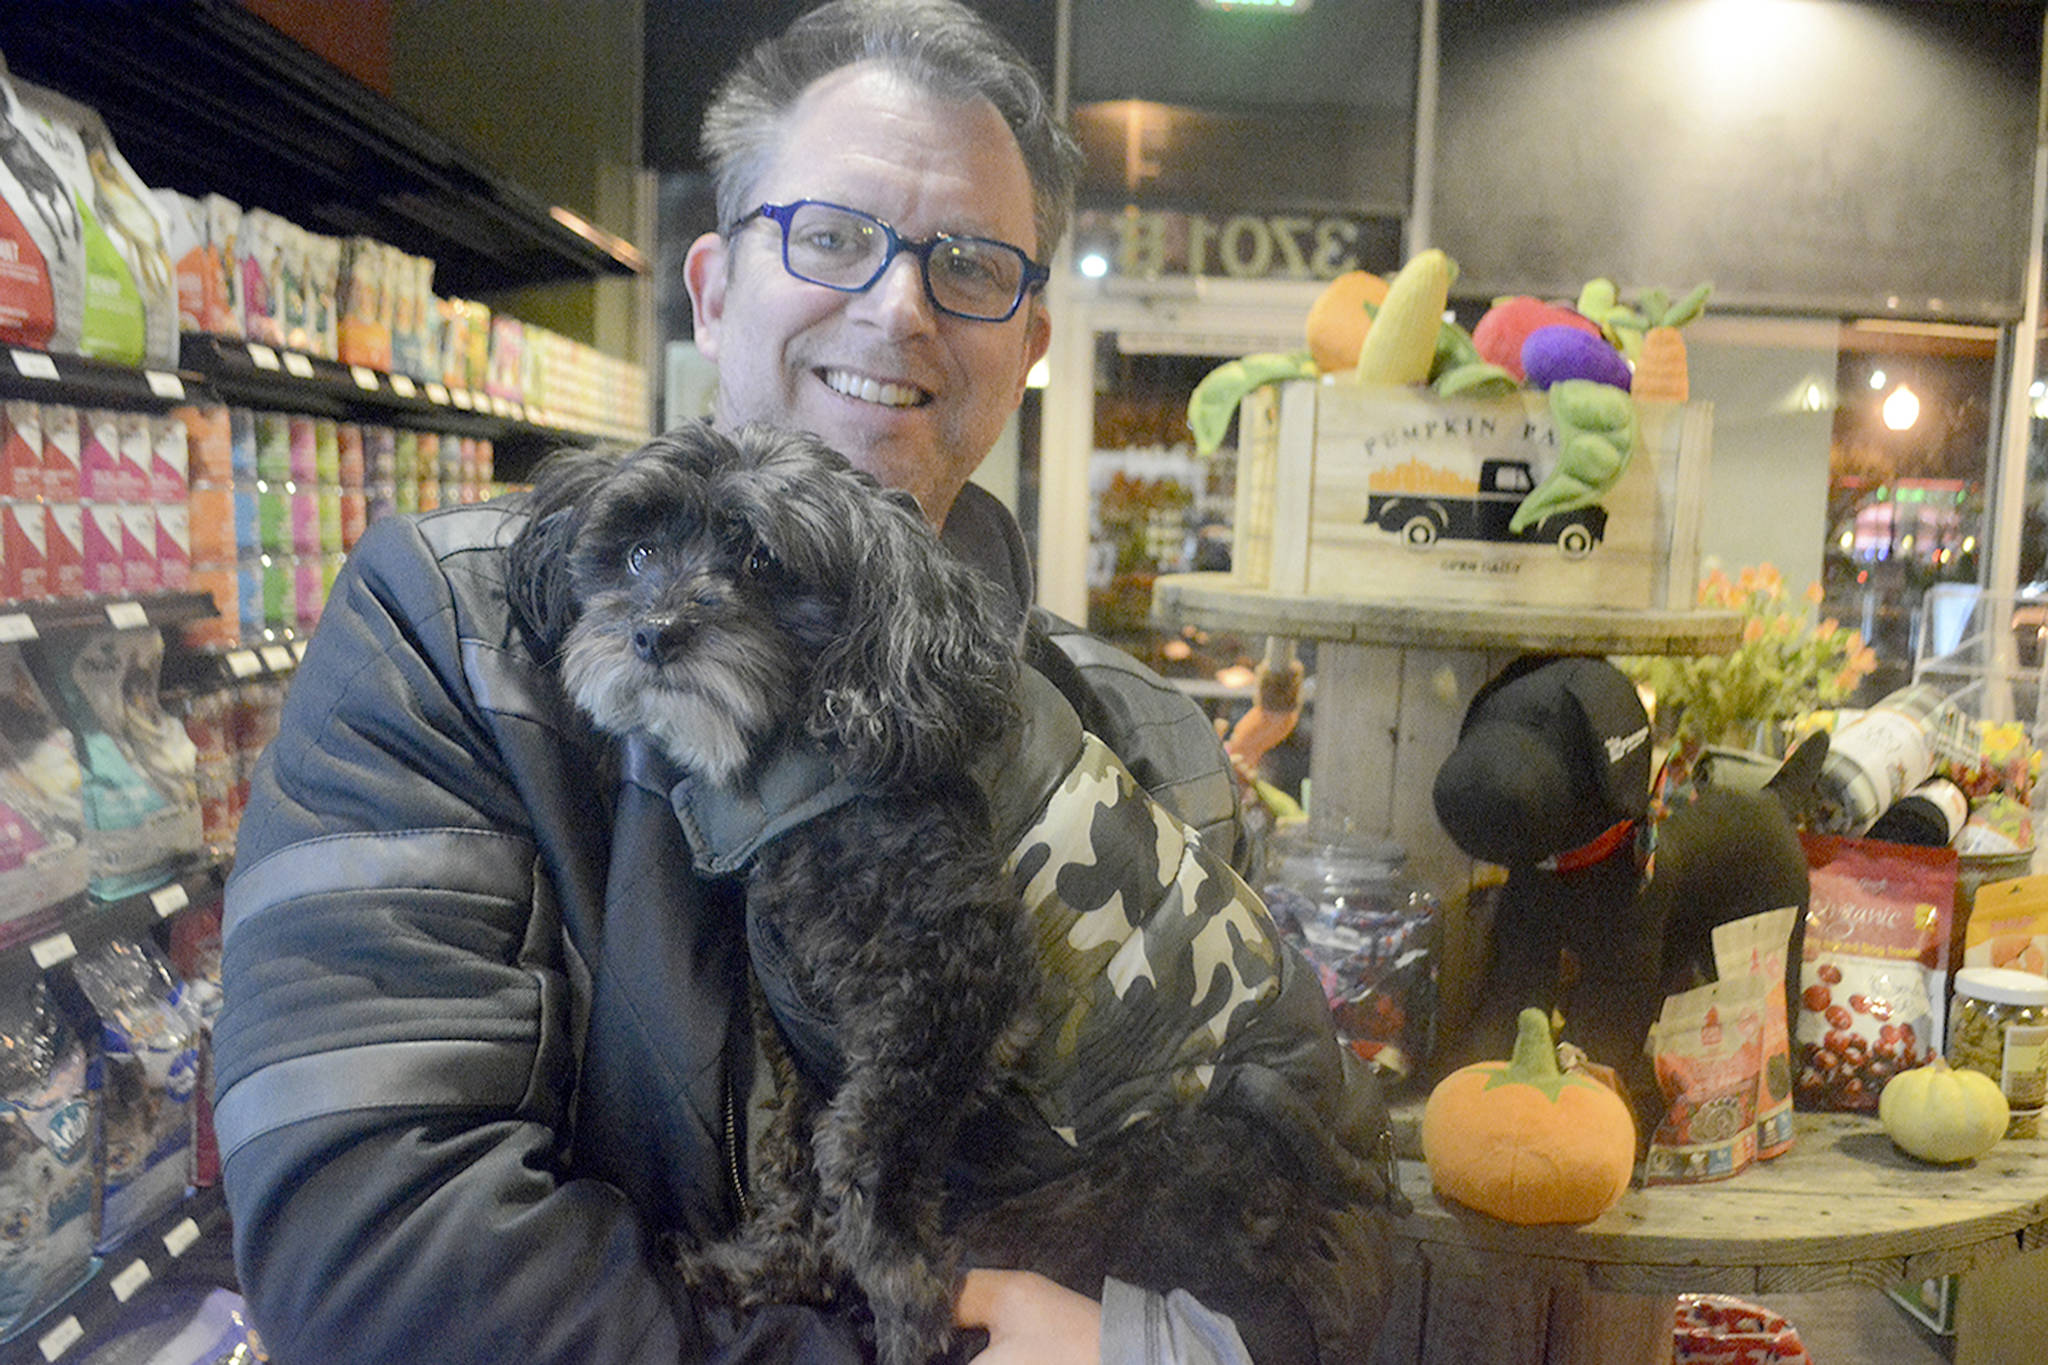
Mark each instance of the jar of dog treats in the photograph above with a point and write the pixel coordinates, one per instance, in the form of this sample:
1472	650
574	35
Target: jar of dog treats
1347	902
1998	1024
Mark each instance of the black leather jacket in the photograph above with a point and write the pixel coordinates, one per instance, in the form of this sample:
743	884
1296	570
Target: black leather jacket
485	1028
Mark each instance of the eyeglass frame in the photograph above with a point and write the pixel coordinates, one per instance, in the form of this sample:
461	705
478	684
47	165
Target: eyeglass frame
1034	276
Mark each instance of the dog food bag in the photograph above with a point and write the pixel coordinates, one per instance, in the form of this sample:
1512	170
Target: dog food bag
1708	1052
42	239
149	1072
362	335
141	798
42	813
223	217
323	273
48	1131
195	957
195	273
1753	949
131	295
60	452
261	246
1873	967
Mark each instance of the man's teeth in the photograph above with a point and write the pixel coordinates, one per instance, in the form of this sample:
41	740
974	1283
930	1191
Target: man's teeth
873	390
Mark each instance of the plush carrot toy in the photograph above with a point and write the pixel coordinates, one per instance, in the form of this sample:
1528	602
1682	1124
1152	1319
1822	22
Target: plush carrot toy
1662	371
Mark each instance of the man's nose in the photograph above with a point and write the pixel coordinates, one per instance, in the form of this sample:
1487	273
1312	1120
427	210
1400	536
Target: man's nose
898	299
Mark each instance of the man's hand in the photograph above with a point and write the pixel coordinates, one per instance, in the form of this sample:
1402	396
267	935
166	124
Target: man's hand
1029	1319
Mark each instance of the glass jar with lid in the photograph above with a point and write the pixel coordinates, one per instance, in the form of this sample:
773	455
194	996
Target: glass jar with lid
1998	1024
1347	902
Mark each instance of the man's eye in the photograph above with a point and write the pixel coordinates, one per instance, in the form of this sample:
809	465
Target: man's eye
637	557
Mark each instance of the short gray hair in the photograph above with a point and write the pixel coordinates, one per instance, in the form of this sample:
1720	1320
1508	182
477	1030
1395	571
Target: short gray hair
942	47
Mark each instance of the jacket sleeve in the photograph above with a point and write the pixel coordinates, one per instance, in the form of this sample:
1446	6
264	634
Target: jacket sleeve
393	1058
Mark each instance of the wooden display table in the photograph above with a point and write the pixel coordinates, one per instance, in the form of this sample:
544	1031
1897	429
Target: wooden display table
1842	1208
1393	680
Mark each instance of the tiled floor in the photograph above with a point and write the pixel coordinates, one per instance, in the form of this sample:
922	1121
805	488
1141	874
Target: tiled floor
1859	1327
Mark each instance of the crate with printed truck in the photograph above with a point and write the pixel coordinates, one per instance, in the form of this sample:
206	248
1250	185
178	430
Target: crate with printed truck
1394	493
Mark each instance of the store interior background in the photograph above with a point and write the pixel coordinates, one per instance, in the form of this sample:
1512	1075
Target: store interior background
1861	180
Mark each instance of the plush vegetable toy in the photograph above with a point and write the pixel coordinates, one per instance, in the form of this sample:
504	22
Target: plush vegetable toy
1596	434
1942	1114
1504	327
1401	345
1526	1142
1339	319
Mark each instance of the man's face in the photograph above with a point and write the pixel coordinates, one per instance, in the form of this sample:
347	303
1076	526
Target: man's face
911	395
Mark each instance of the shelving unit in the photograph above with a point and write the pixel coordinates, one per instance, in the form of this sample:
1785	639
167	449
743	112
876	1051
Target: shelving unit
150	1254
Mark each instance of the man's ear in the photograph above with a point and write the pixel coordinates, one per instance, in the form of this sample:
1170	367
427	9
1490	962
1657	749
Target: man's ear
704	268
1037	340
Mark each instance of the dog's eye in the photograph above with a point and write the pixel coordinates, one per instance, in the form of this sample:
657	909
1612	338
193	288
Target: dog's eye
761	560
637	557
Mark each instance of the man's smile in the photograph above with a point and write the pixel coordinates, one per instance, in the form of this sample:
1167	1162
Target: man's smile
874	390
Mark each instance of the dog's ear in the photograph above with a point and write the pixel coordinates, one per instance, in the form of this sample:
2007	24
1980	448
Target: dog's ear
920	674
537	561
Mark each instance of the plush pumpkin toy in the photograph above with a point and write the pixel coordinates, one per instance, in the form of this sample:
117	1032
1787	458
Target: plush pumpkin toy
1526	1142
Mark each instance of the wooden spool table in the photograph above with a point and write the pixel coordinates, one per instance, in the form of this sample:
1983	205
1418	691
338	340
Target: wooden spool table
1393	681
1842	1208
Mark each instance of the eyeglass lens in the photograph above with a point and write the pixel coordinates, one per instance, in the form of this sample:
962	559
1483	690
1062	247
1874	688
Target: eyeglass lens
848	250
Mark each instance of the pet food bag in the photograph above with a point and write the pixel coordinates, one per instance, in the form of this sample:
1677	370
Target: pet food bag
261	248
1717	1329
174	1323
195	957
48	1128
140	794
1753	950
2009	926
42	242
42	811
148	1078
1873	967
131	291
1708	1052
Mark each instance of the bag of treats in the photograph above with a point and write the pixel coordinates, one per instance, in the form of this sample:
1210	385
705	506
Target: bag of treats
1707	1048
42	812
1753	949
1872	969
47	1132
2008	926
148	1071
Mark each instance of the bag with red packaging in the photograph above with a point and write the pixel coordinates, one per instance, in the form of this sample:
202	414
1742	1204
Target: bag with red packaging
1719	1329
1872	969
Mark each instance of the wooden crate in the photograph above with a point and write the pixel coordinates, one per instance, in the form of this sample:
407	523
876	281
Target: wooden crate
1313	458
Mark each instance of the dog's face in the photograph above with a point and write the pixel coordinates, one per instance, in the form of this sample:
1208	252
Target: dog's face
719	591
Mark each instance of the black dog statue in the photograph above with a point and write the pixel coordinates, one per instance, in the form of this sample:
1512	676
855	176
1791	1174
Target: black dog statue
1606	908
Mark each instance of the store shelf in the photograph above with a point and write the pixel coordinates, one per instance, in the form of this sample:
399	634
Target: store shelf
50	938
254	375
203	670
202	96
23	621
67	1330
84	382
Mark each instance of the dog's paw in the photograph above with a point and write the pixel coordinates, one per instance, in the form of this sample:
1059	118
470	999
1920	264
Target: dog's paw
913	1308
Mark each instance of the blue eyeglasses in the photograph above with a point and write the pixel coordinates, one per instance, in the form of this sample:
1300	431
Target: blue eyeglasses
977	278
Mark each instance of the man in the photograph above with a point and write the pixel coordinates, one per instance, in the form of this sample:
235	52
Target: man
486	1053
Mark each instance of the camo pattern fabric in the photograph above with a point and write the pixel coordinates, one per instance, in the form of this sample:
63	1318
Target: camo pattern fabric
1155	951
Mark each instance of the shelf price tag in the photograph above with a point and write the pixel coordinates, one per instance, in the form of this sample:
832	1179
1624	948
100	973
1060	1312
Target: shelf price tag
169	900
164	385
126	615
462	399
299	650
277	658
50	951
437	393
402	385
180	1238
17	626
35	365
297	366
365	377
60	1338
263	358
128	1281
243	663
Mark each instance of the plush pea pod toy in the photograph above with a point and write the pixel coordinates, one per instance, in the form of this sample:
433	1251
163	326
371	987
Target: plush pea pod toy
1596	434
1215	399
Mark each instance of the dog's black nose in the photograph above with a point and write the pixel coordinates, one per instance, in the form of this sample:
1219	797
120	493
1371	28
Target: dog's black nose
655	641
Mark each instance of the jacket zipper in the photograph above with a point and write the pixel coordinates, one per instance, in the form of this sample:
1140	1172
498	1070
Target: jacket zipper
732	1151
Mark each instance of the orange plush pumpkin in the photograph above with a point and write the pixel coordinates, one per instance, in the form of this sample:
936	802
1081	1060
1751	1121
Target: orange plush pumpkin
1526	1142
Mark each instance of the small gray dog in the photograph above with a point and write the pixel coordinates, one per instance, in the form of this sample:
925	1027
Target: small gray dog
707	582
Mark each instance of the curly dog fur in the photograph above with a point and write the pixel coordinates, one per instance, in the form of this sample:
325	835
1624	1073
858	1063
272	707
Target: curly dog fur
726	592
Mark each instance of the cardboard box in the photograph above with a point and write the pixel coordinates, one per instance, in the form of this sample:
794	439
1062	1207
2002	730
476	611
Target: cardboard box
1394	494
